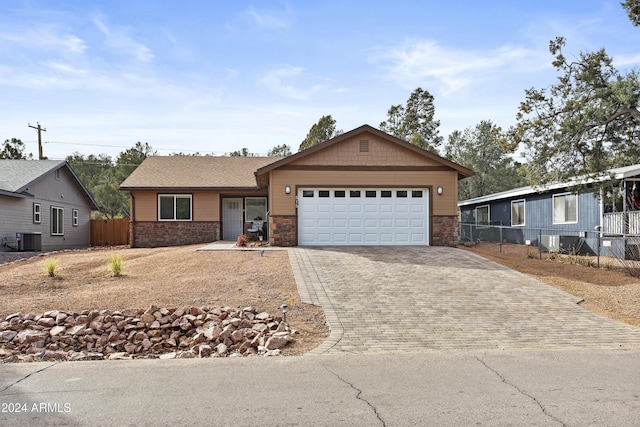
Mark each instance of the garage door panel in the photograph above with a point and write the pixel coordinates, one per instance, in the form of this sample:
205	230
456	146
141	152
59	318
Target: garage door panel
374	220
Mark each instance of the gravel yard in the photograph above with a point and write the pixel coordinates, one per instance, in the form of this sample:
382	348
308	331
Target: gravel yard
165	277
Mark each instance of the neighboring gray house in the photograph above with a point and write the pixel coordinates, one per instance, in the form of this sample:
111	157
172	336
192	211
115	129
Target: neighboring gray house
43	206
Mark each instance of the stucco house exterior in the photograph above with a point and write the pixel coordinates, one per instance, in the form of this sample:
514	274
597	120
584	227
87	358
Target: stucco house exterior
364	187
43	206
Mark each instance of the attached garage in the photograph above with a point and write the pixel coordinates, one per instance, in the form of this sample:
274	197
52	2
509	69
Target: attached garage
363	216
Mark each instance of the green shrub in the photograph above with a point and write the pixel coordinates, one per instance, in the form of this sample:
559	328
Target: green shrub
50	266
116	265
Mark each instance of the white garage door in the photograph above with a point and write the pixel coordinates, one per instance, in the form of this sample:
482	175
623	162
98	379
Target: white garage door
363	216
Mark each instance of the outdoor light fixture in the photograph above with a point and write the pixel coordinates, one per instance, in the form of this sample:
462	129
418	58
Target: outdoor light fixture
284	308
439	190
287	189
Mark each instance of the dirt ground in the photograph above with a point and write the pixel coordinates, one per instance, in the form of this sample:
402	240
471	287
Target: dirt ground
609	292
165	277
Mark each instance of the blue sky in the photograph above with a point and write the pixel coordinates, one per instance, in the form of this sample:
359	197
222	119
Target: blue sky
217	76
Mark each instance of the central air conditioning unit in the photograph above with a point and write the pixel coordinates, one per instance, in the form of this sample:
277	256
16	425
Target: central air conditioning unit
29	242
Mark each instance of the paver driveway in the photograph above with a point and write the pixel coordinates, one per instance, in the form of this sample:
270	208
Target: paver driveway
410	299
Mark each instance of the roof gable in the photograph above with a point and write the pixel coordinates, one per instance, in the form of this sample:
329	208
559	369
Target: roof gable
383	150
16	176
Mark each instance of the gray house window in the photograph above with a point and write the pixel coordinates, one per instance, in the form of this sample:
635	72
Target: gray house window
74	217
517	212
565	208
37	213
255	207
174	207
482	215
57	221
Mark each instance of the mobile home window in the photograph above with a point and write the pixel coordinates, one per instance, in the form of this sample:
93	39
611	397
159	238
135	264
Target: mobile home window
517	212
565	208
37	213
255	208
174	207
482	215
57	221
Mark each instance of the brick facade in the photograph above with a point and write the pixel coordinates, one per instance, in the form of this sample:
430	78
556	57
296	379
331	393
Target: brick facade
445	231
283	230
151	234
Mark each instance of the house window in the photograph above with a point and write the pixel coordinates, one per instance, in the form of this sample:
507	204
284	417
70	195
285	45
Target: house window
74	217
565	208
57	221
255	208
174	207
482	215
37	213
517	212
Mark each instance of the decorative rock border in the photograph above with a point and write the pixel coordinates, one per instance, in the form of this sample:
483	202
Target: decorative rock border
164	333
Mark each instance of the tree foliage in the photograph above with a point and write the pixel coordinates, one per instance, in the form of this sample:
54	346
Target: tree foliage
102	176
241	153
414	122
14	149
478	148
633	10
322	131
583	125
280	151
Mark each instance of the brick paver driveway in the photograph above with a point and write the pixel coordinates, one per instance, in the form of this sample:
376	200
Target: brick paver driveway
410	299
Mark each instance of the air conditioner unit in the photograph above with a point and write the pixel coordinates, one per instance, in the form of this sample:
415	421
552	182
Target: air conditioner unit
29	242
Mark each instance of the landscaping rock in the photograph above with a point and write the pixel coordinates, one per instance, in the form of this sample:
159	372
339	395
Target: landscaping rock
135	333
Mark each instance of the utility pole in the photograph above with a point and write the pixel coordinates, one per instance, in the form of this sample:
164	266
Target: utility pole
39	129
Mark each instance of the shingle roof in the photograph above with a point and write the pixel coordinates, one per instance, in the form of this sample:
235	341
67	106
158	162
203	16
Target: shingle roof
196	172
16	175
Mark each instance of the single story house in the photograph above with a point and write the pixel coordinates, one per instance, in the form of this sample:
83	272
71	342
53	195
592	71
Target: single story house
364	187
43	206
578	218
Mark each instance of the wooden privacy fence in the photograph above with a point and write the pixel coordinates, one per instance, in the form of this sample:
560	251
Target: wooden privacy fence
109	232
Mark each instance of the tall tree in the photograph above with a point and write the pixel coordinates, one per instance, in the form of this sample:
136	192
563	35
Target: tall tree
90	168
414	122
14	149
241	153
129	159
280	151
322	131
633	10
583	125
478	148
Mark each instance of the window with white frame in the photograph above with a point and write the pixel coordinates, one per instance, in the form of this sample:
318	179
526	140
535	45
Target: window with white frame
517	212
255	208
482	215
174	207
74	217
565	208
57	221
37	213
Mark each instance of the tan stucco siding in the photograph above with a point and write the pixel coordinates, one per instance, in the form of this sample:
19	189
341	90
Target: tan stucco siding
381	153
284	204
205	204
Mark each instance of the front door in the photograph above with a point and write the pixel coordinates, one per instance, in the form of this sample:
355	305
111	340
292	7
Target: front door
231	219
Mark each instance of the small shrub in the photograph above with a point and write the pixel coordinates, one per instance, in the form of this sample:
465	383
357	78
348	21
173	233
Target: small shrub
532	254
115	265
50	266
242	240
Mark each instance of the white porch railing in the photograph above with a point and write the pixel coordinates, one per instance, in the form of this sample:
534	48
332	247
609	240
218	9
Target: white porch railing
622	223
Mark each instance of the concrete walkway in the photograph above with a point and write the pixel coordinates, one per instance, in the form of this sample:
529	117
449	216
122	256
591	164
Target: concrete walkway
416	299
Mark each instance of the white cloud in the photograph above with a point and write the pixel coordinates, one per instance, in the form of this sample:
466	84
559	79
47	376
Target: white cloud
290	82
118	39
269	20
451	69
45	37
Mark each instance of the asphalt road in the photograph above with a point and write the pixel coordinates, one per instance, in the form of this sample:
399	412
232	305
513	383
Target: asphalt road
552	388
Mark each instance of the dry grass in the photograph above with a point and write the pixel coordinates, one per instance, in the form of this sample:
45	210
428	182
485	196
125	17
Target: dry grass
166	277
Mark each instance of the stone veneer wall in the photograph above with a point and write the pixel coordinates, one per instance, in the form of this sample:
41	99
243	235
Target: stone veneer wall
445	231
152	234
283	230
